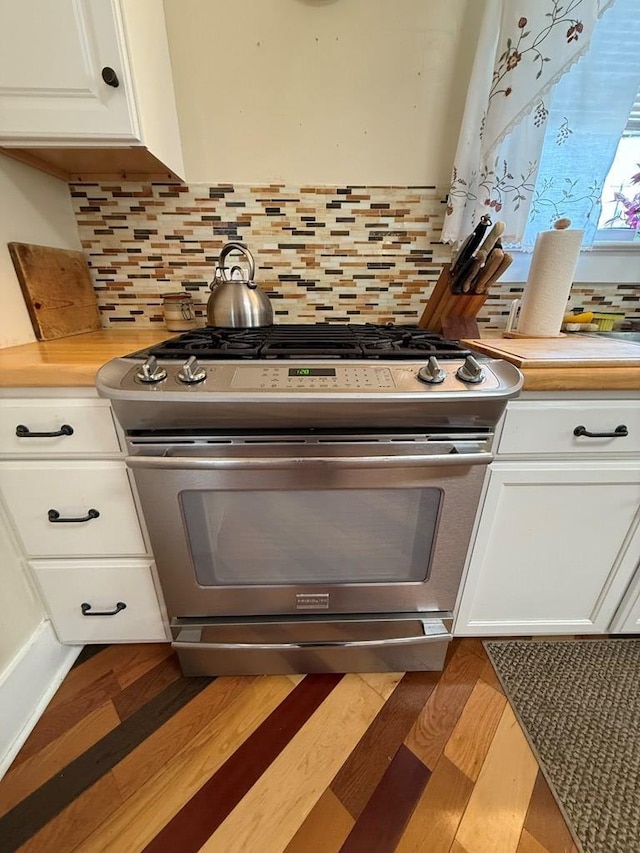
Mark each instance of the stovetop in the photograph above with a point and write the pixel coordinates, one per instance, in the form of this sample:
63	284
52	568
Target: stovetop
307	376
322	340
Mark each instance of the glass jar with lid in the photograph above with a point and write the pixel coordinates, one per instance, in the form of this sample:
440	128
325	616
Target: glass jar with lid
179	312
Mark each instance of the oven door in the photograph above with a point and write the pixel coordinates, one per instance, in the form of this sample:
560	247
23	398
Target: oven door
279	527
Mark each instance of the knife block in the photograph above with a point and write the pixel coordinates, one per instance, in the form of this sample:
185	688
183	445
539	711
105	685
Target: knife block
456	311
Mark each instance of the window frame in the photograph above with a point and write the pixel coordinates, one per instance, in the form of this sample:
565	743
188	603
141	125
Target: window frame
613	263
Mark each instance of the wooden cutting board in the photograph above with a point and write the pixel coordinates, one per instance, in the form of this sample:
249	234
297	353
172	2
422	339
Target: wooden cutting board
57	289
567	351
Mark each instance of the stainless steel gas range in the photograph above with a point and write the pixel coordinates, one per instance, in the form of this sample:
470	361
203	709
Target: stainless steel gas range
310	491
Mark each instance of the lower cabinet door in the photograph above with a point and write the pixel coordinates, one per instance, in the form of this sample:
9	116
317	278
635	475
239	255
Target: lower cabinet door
101	601
627	618
628	621
553	551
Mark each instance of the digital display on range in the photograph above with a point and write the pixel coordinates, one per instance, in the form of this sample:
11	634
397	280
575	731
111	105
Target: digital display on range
312	371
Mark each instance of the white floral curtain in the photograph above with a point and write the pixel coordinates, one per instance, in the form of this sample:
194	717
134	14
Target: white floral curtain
524	49
587	115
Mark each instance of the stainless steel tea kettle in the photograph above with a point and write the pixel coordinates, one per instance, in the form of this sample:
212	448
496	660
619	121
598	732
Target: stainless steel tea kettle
237	302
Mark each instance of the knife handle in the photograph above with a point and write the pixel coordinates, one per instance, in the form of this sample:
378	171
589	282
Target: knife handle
461	274
490	268
506	263
476	266
493	237
471	243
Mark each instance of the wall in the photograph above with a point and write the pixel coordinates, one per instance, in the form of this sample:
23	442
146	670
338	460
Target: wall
21	611
339	253
321	91
34	208
323	253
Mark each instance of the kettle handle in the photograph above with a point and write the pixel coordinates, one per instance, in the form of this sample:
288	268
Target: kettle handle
236	247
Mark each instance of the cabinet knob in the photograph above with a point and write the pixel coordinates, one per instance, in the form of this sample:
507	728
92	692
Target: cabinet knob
110	77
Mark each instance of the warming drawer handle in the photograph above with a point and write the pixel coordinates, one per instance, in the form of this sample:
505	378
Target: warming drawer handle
23	431
432	637
188	463
54	517
619	432
87	611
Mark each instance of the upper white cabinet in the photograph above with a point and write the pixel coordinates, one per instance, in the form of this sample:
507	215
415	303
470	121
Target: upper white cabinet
51	62
80	77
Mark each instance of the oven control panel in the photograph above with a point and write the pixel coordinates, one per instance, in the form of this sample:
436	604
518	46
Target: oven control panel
428	378
312	378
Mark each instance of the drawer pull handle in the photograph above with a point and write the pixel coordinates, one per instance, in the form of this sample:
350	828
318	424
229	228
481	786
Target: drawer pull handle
54	516
619	432
23	431
86	609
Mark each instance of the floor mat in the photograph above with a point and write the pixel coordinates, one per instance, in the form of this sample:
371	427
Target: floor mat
579	703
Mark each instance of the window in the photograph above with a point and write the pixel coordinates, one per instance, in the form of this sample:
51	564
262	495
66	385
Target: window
591	147
620	216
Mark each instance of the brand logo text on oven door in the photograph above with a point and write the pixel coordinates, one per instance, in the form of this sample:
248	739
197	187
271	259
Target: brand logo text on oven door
312	601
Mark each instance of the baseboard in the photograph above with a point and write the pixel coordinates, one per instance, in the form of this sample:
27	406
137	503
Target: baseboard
27	686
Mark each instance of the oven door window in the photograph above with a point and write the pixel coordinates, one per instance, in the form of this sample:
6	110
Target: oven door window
318	536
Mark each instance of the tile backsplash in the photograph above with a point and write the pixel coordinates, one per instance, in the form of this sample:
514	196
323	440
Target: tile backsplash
340	254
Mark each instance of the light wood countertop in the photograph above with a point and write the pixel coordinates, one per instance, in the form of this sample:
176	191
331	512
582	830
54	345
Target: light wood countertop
573	363
568	363
73	361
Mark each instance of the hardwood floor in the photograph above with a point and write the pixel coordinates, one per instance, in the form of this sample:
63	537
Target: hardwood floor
131	756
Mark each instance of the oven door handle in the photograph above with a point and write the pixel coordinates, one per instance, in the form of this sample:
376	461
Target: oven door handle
433	632
189	463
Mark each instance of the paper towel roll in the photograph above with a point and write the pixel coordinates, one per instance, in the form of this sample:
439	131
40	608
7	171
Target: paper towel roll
550	278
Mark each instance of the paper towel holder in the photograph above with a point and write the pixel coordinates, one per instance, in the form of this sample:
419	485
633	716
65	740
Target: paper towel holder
514	312
512	320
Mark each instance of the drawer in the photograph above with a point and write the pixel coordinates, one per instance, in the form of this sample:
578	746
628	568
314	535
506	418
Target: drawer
89	427
31	489
84	600
543	427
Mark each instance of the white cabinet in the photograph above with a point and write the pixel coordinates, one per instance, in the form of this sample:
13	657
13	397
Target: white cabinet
100	601
72	508
551	554
57	427
88	74
547	428
557	541
627	618
51	65
70	500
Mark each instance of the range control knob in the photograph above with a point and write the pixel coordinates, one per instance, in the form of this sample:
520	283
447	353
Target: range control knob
470	371
431	373
191	372
151	371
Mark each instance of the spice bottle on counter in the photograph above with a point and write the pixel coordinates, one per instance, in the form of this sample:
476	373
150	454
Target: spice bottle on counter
179	313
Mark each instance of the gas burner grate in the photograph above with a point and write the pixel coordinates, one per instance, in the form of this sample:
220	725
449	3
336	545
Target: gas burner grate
321	340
